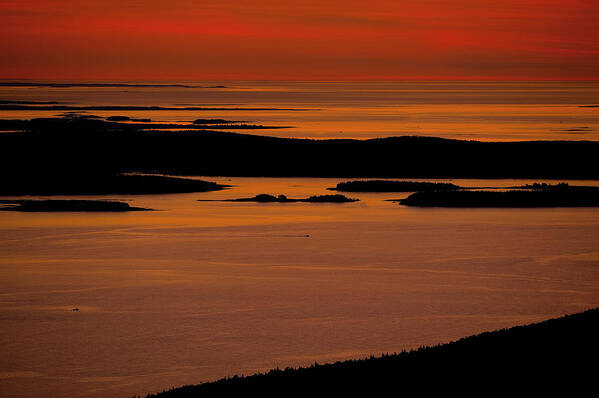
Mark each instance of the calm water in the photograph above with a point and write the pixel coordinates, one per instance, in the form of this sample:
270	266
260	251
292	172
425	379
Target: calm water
200	290
468	110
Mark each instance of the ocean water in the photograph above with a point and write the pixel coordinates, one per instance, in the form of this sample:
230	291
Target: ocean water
195	291
487	111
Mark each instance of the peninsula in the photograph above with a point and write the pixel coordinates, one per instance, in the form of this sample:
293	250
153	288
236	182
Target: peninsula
52	205
540	357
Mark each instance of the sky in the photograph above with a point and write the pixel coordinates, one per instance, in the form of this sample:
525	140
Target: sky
299	40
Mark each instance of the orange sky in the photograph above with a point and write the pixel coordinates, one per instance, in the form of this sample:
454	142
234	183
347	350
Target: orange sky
308	39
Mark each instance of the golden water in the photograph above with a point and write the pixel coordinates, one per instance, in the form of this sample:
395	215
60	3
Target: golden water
201	290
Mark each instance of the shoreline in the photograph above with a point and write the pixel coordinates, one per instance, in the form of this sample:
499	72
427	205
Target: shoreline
513	358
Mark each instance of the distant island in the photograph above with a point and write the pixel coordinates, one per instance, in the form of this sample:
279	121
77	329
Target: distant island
22	102
74	182
215	121
537	195
51	107
120	119
266	198
88	152
53	205
123	123
541	357
115	85
392	186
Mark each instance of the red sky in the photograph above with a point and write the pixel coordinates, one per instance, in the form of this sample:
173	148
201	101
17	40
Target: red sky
308	39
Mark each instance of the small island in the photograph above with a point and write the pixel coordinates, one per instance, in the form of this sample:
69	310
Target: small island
118	118
215	121
392	186
266	198
52	205
536	195
74	183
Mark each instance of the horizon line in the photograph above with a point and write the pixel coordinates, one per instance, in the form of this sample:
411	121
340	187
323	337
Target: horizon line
324	80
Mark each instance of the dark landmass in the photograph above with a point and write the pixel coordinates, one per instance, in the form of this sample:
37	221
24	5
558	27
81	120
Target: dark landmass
555	355
536	195
7	102
204	104
67	205
77	182
72	115
118	118
583	129
18	107
215	121
56	146
209	127
392	186
124	119
266	198
69	85
113	123
192	128
329	199
550	187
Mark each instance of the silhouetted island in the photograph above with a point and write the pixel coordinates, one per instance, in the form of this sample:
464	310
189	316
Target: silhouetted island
118	118
93	147
328	199
266	198
67	115
81	183
536	195
116	85
550	187
50	107
392	186
21	102
53	205
538	358
214	121
114	123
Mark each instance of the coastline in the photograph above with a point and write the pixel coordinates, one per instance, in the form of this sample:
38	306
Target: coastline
535	357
